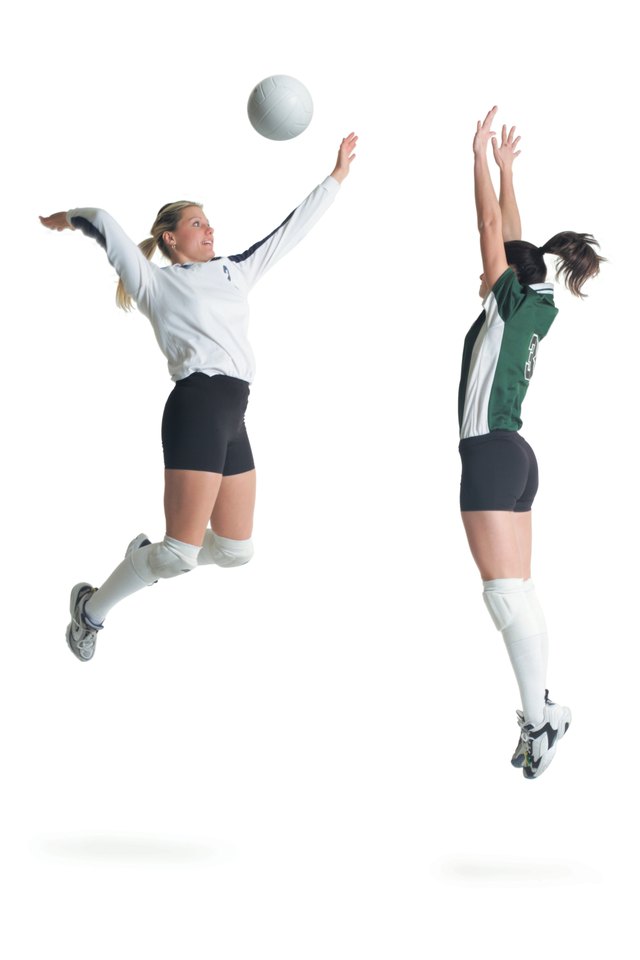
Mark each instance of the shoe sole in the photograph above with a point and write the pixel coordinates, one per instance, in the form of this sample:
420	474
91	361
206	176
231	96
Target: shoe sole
73	601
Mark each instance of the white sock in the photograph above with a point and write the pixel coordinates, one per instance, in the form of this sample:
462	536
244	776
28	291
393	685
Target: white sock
508	604
536	609
124	581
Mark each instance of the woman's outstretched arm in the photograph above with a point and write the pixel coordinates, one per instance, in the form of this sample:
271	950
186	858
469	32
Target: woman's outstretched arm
494	259
259	258
504	156
135	271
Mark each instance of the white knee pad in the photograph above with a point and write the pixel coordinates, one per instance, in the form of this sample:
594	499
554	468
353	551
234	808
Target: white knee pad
507	603
161	561
225	552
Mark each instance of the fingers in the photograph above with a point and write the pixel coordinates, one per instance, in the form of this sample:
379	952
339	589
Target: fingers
49	222
483	129
508	144
57	221
347	147
488	120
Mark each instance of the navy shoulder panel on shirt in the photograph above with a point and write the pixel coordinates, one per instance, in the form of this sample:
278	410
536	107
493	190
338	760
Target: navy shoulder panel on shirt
239	257
88	229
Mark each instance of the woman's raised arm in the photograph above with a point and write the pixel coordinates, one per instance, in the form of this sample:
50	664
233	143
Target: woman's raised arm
504	155
255	261
494	258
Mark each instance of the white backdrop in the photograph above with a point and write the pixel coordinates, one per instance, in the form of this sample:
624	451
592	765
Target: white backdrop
308	757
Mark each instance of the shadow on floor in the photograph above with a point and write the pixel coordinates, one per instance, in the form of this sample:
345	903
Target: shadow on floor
516	871
130	848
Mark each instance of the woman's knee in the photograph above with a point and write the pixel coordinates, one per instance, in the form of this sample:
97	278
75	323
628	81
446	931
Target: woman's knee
161	561
225	552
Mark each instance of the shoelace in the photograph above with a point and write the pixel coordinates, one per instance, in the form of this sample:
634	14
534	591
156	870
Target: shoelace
90	630
87	643
523	732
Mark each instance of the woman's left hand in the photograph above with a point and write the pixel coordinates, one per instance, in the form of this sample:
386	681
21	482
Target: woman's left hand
345	156
505	154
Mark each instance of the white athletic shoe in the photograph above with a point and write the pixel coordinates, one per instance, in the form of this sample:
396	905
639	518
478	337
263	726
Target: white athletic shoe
81	632
542	741
520	752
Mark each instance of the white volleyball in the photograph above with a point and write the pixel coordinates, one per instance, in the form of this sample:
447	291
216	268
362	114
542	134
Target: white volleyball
280	107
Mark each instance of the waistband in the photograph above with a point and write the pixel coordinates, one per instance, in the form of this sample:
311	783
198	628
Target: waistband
219	381
511	435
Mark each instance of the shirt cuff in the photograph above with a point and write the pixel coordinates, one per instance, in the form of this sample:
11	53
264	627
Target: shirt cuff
331	184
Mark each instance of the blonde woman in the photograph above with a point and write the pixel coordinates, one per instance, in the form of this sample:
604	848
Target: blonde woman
199	312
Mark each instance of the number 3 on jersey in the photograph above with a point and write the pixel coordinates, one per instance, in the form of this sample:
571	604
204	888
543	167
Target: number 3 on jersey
530	365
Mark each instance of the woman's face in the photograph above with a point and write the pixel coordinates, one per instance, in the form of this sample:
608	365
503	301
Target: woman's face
484	289
192	239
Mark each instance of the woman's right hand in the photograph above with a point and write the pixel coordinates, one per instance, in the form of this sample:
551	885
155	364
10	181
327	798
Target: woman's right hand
484	133
57	221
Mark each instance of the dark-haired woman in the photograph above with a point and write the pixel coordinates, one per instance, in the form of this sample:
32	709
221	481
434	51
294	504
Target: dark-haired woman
499	469
199	311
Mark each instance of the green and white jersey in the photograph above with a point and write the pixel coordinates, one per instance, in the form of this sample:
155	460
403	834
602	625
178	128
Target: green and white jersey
499	354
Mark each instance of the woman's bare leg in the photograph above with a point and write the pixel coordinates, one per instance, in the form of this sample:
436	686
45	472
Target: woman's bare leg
228	543
189	499
232	515
497	539
500	542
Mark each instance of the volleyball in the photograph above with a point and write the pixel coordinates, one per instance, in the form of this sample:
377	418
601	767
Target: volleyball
280	108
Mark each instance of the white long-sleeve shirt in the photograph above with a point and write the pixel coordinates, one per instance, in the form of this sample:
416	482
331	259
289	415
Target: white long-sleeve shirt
199	311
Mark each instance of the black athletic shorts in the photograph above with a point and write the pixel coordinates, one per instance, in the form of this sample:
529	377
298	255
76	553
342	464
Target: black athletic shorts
499	472
203	425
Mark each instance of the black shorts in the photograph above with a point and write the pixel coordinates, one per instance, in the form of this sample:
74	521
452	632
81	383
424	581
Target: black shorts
203	425
499	472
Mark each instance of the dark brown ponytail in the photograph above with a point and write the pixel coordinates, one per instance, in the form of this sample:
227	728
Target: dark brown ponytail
579	261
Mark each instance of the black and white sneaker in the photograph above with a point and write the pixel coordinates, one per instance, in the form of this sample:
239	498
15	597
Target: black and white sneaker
520	752
542	741
82	632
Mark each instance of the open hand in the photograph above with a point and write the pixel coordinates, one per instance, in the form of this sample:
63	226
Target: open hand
345	156
506	153
484	132
57	221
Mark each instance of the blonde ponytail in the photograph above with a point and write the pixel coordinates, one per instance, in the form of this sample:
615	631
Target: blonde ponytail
123	300
167	220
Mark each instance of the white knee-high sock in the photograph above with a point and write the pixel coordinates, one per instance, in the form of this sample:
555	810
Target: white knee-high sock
536	609
125	580
507	602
